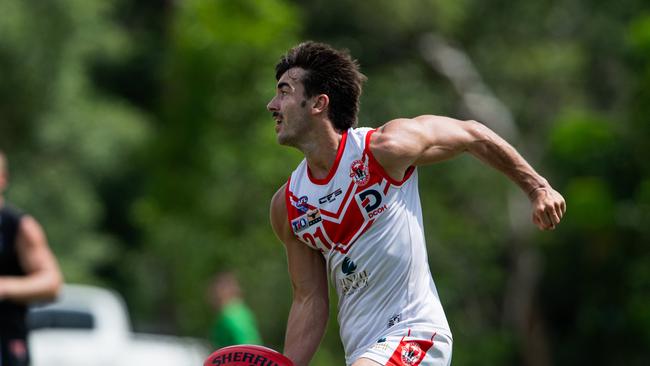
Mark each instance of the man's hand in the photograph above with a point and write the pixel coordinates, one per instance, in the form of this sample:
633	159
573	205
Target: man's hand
548	207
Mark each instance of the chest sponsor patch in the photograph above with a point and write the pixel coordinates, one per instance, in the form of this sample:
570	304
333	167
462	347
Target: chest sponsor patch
305	221
301	204
330	197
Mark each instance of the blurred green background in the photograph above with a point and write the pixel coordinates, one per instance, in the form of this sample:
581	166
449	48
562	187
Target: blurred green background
137	134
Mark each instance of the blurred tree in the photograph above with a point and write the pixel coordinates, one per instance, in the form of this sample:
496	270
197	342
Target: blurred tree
64	138
138	135
214	166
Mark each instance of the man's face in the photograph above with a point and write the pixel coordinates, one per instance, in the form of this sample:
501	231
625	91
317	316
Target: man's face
289	107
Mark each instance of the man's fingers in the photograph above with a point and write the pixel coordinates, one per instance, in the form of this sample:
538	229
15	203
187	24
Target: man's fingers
559	210
553	215
542	220
548	210
538	222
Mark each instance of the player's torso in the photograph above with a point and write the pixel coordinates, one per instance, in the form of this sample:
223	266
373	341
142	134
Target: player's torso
368	228
346	215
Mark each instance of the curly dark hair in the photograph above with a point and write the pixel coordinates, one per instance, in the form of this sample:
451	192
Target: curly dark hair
328	71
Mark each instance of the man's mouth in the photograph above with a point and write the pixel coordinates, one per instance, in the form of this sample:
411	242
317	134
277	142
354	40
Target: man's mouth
277	117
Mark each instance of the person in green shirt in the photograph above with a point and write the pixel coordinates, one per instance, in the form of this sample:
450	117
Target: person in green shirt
234	323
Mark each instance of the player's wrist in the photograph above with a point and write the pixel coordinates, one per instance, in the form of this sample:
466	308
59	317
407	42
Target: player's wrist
539	188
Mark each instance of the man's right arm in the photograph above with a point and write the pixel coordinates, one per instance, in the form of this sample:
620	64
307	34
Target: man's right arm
310	307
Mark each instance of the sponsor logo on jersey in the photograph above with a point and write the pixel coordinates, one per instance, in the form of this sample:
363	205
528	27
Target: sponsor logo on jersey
394	319
313	217
371	201
348	266
359	172
412	354
301	204
330	197
305	221
353	280
381	345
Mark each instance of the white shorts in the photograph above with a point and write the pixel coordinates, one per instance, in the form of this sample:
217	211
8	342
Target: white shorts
412	350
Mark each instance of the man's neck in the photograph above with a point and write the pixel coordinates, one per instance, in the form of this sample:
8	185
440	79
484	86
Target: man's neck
321	150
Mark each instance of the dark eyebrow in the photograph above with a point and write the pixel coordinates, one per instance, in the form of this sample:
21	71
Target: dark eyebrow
283	84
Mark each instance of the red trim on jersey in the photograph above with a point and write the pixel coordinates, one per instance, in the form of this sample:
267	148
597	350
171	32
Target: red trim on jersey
373	161
287	201
342	205
386	188
345	248
335	166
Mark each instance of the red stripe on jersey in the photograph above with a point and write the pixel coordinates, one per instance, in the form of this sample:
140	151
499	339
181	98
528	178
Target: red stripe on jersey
346	249
351	223
372	162
334	167
287	200
343	203
386	188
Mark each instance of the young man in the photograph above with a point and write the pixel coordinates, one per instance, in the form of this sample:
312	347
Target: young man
351	210
28	272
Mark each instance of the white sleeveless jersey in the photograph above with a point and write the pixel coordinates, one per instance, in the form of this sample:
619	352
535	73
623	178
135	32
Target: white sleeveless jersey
369	229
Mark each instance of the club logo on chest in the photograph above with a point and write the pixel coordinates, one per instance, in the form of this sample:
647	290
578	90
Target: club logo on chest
359	172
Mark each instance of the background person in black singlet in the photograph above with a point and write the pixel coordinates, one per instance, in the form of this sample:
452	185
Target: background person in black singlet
28	272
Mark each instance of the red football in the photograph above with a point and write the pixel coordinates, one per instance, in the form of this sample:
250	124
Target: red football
247	355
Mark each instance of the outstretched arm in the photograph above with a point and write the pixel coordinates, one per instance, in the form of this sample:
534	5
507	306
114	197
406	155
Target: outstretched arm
310	308
43	278
428	139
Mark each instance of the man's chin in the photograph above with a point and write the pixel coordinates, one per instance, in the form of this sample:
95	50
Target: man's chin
284	140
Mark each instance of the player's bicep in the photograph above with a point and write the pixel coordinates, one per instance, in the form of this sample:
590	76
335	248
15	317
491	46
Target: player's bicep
306	265
443	138
426	139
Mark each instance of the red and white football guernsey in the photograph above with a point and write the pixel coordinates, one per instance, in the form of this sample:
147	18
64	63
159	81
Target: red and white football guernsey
369	229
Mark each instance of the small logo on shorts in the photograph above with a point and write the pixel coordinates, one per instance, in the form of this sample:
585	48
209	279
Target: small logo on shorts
411	354
381	345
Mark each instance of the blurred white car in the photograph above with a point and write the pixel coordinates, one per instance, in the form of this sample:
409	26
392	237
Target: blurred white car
90	326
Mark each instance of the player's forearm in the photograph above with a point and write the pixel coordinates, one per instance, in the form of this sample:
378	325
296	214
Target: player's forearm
495	151
36	287
305	329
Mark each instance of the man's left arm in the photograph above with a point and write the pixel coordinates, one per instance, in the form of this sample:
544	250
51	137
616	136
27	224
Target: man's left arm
428	139
43	278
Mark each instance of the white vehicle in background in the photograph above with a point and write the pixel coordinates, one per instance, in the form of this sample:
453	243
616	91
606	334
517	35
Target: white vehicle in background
90	326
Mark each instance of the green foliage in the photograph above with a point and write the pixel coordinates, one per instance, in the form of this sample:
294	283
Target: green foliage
63	137
216	164
138	135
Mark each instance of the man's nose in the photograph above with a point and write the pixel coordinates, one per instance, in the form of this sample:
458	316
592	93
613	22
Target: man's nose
272	106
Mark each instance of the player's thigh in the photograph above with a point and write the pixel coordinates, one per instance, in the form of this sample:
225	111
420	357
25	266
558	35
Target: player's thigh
365	362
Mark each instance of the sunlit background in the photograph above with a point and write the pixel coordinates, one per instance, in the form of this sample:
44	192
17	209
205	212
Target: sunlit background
137	135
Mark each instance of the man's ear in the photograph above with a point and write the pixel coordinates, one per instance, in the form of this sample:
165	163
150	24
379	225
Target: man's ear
320	103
